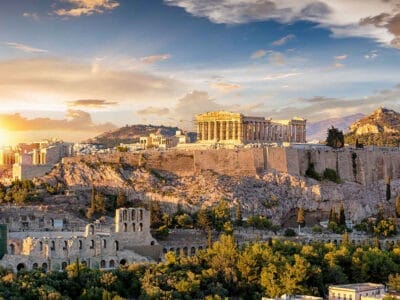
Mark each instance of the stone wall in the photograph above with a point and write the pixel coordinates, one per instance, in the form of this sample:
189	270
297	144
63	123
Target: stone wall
361	166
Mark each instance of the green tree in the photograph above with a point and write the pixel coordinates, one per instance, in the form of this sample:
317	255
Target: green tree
221	214
335	138
238	215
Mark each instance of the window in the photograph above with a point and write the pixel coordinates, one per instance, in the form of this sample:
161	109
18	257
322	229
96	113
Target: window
80	245
116	245
124	215
133	215
91	244
133	227
125	227
140	215
140	227
104	244
40	246
53	246
65	245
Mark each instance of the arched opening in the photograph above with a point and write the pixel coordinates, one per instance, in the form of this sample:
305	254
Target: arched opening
103	264
112	264
178	251
20	267
91	229
91	244
125	227
192	251
124	215
133	215
44	266
185	251
64	265
40	246
172	249
140	227
83	262
12	249
152	243
35	266
122	262
65	245
133	227
53	246
116	245
140	215
200	247
80	245
104	243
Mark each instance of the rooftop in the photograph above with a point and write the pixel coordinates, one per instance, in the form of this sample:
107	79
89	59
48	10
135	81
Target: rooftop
358	287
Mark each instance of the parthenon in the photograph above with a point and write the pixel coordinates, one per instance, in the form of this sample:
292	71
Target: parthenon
235	128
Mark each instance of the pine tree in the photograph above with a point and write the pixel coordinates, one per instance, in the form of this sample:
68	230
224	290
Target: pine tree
397	206
388	193
341	217
300	217
335	138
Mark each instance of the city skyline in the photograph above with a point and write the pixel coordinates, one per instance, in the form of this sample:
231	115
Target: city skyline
75	68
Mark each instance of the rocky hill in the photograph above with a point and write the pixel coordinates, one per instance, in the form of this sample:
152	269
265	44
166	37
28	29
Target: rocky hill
317	131
130	134
381	128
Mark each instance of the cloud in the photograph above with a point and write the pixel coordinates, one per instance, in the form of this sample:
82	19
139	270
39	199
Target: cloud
258	54
283	40
371	55
77	8
280	76
154	58
31	15
277	58
337	64
377	20
91	103
75	120
225	87
25	48
48	82
341	57
150	110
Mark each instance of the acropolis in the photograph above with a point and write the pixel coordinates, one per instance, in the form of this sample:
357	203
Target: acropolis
235	128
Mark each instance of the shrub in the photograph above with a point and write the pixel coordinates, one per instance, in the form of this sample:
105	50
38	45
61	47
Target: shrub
331	175
290	232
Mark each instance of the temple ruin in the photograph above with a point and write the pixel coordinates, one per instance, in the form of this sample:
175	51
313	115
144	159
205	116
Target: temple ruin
235	128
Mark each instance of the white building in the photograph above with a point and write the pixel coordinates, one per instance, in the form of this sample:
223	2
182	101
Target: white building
356	291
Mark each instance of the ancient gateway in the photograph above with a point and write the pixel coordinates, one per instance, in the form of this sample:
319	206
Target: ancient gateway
235	128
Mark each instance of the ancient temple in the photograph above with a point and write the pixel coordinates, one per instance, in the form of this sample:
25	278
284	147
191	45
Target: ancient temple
235	128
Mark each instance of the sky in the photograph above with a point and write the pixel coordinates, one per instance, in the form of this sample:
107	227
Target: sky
72	69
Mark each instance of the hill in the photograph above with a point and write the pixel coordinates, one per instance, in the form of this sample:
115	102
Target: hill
130	134
381	128
318	130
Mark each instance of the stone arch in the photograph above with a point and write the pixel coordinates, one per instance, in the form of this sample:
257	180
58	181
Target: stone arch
172	249
192	251
91	229
103	264
44	266
123	262
91	244
152	243
53	245
124	215
140	227
125	227
64	264
12	249
104	243
200	248
111	264
21	267
133	214
40	246
185	250
133	227
84	263
65	245
80	244
140	214
35	266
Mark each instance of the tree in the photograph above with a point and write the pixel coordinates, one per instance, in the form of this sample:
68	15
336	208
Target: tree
397	206
155	215
300	217
341	217
221	214
238	215
335	138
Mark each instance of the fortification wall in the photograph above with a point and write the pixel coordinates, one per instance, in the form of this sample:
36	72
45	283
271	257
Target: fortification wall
362	166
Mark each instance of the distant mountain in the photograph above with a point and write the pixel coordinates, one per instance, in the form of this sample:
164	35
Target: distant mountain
381	128
317	130
130	134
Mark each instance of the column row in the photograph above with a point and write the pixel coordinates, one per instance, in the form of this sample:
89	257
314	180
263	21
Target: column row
219	130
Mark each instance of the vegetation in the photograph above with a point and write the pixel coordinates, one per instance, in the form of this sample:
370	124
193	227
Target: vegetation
335	138
331	175
377	139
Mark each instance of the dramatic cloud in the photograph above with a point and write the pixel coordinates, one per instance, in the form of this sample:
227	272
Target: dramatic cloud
378	20
283	40
154	58
25	48
258	54
51	82
94	103
225	87
34	16
76	120
78	8
158	111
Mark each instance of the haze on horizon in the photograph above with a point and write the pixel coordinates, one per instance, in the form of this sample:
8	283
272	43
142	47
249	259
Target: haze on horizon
75	68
